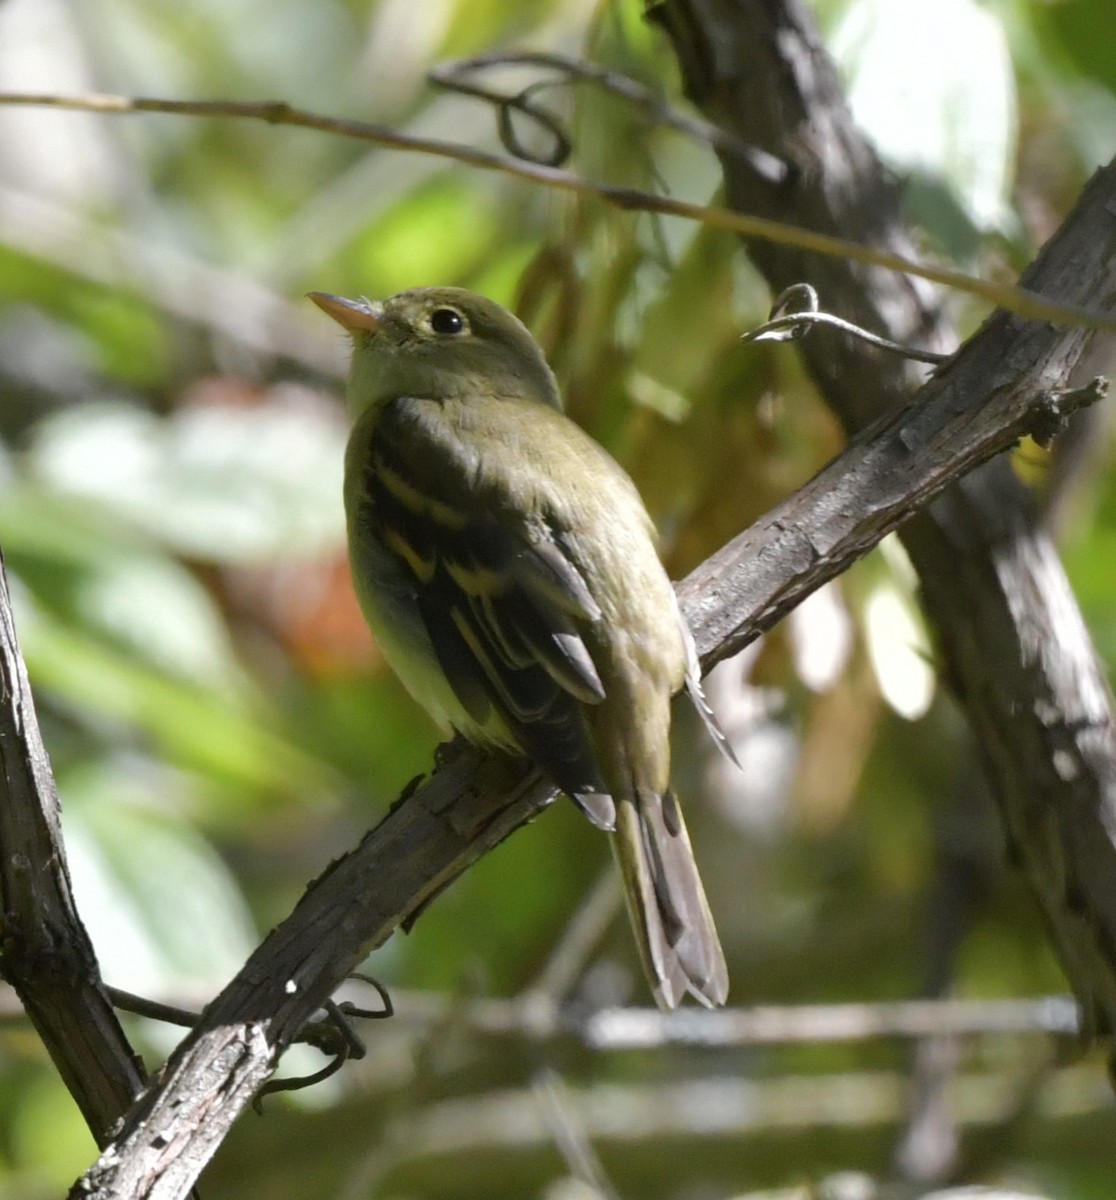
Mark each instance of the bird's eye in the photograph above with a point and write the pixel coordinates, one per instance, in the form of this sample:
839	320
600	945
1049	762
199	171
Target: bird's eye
447	321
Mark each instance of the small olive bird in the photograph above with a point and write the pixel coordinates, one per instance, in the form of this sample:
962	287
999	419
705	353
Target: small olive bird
509	572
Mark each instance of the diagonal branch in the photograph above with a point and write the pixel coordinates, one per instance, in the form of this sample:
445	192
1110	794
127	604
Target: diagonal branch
990	394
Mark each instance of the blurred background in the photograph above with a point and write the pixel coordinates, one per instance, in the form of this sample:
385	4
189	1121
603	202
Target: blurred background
222	726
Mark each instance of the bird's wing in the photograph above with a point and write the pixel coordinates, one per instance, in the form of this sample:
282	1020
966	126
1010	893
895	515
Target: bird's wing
502	600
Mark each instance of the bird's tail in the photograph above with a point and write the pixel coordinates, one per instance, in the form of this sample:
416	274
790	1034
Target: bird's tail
674	928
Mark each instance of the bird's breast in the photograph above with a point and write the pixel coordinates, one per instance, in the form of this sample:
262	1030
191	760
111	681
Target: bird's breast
386	585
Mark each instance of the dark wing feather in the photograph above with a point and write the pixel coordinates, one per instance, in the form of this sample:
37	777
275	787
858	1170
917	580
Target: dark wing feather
504	606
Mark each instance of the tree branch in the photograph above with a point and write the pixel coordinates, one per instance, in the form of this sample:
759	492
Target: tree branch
978	404
47	955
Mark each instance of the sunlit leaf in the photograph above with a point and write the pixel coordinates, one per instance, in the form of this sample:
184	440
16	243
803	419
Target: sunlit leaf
221	735
933	87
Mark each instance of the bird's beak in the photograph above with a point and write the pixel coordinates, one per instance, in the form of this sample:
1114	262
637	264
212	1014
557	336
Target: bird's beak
351	314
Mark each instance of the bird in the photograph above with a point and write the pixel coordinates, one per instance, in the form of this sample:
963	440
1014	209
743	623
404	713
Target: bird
509	572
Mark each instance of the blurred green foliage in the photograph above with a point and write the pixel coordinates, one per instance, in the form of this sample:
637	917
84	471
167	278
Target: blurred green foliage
221	724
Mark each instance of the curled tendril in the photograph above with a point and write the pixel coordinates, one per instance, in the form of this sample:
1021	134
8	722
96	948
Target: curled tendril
459	76
524	102
335	1036
456	77
795	312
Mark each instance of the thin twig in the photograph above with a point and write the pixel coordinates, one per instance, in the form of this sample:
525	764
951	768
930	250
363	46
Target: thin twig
629	1028
790	324
469	1129
456	76
153	1010
559	1110
621	1029
1020	301
581	935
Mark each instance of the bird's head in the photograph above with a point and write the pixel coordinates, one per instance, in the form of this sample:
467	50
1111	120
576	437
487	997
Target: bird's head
438	343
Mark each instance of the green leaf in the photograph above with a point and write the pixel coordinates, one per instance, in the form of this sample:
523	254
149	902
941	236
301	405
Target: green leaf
220	735
221	483
161	907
